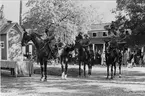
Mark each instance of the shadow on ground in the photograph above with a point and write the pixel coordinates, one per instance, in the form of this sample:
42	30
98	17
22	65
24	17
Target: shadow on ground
56	71
98	73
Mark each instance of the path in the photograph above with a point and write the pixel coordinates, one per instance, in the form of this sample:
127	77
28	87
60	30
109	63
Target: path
132	83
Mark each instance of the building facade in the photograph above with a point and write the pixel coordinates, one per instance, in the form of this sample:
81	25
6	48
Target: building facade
97	36
10	40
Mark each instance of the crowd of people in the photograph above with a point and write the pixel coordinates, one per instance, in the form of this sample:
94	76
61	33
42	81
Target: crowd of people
129	58
134	58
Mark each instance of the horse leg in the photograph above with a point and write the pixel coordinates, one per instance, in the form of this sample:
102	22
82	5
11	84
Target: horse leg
45	70
107	71
89	70
66	66
119	70
111	71
42	73
90	67
84	69
79	68
62	68
114	69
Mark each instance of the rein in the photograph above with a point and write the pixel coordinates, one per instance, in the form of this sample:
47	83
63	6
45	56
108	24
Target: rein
44	46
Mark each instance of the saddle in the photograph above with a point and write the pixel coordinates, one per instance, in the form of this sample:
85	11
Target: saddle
83	43
50	42
49	39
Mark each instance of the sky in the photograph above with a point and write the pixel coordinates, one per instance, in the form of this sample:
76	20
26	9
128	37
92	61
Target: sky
104	7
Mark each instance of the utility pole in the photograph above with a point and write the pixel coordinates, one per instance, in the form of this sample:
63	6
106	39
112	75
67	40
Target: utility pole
1	12
20	14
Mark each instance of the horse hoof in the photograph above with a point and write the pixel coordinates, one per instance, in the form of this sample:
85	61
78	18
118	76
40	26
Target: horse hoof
45	79
62	75
42	79
119	76
111	78
65	77
79	76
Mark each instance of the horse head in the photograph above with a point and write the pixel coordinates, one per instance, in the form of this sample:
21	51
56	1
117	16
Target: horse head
111	49
70	47
25	39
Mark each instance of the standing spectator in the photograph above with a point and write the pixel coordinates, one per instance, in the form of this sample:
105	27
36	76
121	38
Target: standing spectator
143	58
91	59
135	58
128	57
125	58
103	58
131	60
138	56
98	57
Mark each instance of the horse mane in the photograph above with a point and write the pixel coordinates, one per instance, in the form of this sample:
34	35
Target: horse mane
36	34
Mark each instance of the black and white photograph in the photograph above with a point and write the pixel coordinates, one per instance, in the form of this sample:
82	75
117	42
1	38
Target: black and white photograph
72	47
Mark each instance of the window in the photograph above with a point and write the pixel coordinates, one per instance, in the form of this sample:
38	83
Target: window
104	34
2	44
94	34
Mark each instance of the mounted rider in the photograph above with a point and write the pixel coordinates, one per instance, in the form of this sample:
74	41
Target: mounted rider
87	43
84	41
113	43
79	37
51	40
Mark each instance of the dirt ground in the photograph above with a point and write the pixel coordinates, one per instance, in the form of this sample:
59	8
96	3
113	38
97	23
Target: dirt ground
132	83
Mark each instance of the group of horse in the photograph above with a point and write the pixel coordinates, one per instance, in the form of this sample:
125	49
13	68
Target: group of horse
83	51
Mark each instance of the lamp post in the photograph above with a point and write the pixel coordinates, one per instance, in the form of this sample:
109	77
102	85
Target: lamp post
20	14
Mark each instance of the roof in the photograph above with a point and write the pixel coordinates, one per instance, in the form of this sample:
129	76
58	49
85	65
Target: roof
99	26
5	28
99	40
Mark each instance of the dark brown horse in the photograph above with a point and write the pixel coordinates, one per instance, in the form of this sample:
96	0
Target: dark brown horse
113	55
64	56
44	52
83	54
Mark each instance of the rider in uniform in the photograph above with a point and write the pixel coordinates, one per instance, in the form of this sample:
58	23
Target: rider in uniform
87	43
79	37
51	40
113	44
91	58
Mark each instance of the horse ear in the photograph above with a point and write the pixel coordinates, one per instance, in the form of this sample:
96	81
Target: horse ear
25	32
23	28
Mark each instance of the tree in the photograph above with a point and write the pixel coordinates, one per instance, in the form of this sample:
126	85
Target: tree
63	18
130	14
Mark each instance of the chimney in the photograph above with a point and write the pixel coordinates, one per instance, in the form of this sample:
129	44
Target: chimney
9	21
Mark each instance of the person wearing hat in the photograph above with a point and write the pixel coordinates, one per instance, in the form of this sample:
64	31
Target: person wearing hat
113	43
79	37
51	40
87	40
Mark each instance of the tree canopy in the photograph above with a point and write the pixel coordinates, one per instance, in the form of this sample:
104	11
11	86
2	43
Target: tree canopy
62	18
130	14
